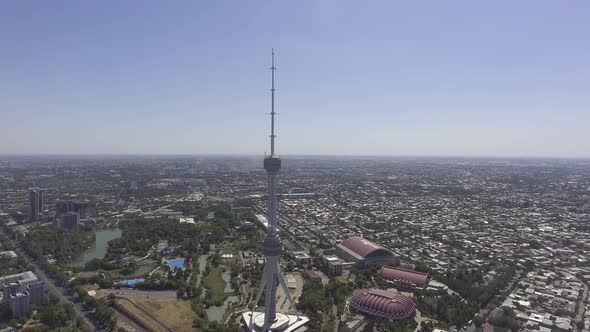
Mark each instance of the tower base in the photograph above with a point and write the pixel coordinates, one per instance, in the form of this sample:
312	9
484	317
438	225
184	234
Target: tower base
283	323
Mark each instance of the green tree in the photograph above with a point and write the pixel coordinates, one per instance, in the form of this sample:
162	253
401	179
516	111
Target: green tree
53	315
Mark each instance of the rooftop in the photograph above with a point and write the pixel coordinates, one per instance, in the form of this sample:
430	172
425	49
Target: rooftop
395	273
362	246
19	294
7	254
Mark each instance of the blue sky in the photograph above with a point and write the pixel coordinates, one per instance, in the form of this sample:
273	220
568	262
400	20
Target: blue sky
464	78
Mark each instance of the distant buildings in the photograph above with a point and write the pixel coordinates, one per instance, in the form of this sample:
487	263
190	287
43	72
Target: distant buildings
382	304
364	253
547	300
35	204
63	207
8	259
68	213
299	196
68	220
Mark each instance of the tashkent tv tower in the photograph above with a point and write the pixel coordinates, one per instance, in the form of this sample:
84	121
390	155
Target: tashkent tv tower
270	320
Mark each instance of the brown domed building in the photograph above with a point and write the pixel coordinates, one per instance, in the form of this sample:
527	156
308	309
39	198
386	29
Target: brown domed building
365	254
379	303
403	279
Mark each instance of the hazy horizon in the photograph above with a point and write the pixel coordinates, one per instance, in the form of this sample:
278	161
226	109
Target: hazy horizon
490	80
284	156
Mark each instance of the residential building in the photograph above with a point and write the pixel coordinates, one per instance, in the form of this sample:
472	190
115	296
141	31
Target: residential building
37	293
19	304
68	220
8	259
10	288
35	204
63	207
24	278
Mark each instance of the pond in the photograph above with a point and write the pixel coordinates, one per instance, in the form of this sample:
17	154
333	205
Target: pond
99	249
216	313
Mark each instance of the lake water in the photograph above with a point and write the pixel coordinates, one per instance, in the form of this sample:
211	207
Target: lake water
99	250
202	264
216	313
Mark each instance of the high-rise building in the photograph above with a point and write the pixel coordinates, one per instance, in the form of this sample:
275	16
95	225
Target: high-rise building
35	204
10	288
41	203
68	220
64	206
19	304
272	276
36	290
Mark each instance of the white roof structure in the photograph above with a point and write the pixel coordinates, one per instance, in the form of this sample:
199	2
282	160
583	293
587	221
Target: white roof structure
263	220
187	220
24	278
284	323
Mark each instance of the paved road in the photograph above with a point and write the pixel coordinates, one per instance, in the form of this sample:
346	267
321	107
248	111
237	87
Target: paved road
49	282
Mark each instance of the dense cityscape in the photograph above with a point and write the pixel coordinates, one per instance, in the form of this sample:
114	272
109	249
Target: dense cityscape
295	166
152	243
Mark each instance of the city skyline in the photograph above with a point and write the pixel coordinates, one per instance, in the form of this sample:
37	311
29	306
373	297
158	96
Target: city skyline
471	80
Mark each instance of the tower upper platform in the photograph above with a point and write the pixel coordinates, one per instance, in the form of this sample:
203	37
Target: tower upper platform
272	163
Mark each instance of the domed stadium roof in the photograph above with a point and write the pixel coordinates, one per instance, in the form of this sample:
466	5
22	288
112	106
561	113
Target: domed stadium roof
396	273
364	247
383	304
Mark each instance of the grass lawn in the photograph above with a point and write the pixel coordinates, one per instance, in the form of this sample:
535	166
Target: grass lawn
215	283
229	247
147	320
176	314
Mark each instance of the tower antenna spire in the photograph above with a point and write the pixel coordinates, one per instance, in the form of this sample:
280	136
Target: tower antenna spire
272	274
272	106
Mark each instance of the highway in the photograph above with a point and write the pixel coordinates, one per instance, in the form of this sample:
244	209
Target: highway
49	282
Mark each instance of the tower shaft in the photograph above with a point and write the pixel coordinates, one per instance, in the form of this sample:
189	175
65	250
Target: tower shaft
272	246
